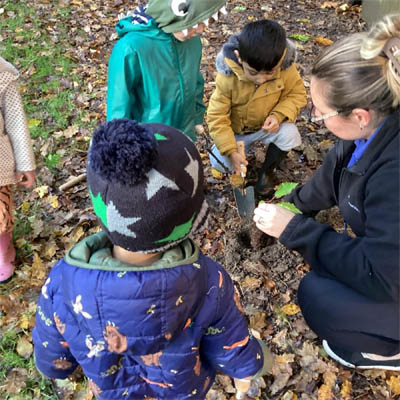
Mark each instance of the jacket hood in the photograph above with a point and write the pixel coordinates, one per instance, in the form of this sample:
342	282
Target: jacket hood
176	15
8	74
228	48
153	304
133	21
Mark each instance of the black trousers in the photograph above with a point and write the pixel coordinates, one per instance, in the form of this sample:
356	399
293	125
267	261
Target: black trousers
348	320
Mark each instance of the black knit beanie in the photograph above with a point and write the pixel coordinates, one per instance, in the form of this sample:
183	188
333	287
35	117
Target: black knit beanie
146	185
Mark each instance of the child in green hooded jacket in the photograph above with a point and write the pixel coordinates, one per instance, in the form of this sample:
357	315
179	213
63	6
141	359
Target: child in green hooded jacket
154	69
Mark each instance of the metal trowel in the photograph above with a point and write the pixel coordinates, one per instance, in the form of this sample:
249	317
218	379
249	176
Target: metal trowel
244	196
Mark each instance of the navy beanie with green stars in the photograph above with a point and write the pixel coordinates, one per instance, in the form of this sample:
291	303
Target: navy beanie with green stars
146	185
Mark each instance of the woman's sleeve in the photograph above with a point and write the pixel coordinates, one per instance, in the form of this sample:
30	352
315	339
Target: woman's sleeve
370	263
319	192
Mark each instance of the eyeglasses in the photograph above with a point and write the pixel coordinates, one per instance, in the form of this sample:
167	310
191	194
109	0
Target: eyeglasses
319	120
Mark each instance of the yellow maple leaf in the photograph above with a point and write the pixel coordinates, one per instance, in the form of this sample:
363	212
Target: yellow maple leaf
53	201
346	390
25	206
290	309
323	41
24	322
329	378
216	174
42	190
325	393
32	123
394	384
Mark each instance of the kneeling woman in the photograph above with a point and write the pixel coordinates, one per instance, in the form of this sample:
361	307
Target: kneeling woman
351	296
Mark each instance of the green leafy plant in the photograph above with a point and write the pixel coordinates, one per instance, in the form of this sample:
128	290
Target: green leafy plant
301	38
284	189
52	160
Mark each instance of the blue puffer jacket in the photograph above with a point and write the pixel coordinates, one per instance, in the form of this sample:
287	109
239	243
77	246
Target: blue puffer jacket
143	332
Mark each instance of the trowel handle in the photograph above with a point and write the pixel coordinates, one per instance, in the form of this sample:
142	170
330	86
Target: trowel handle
240	147
243	168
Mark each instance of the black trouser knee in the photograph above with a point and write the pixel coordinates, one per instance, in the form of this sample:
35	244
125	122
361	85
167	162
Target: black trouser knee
348	320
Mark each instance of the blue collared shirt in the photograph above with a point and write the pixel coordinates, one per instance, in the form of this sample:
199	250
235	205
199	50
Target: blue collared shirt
361	146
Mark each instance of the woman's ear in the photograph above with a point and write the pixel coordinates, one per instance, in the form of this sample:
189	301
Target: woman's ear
362	117
237	55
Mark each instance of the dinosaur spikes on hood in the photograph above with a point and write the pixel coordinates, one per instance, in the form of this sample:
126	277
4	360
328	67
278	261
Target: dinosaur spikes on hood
176	15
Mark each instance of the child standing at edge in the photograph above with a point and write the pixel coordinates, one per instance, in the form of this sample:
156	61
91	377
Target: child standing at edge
154	69
138	305
258	96
17	162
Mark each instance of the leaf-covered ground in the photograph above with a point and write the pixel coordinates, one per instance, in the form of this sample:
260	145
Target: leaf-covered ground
61	48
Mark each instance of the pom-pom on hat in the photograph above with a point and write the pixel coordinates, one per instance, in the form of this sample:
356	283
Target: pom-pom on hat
146	185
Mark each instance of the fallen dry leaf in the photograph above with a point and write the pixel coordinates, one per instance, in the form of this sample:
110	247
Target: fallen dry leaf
289	395
346	390
290	309
394	385
325	393
323	41
24	347
15	381
251	283
258	322
282	371
329	4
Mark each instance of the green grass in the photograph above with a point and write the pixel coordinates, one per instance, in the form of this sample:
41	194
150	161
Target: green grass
39	51
35	386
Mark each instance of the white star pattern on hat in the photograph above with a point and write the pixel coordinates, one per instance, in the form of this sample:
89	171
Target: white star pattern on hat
193	170
156	182
117	223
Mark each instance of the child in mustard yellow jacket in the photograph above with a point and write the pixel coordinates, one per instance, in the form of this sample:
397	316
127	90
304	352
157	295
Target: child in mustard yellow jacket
258	95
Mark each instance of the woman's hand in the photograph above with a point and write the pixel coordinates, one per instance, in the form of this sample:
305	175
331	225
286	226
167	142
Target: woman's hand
272	219
26	178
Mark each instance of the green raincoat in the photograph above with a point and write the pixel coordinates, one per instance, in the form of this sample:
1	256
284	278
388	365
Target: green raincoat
152	76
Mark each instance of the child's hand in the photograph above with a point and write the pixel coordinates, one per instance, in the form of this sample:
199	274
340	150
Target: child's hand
26	178
236	160
242	387
271	124
272	219
199	129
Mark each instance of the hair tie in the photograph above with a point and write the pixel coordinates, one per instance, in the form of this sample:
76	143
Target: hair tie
392	51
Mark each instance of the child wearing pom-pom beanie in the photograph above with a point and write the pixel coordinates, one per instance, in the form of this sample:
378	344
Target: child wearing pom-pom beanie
138	305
